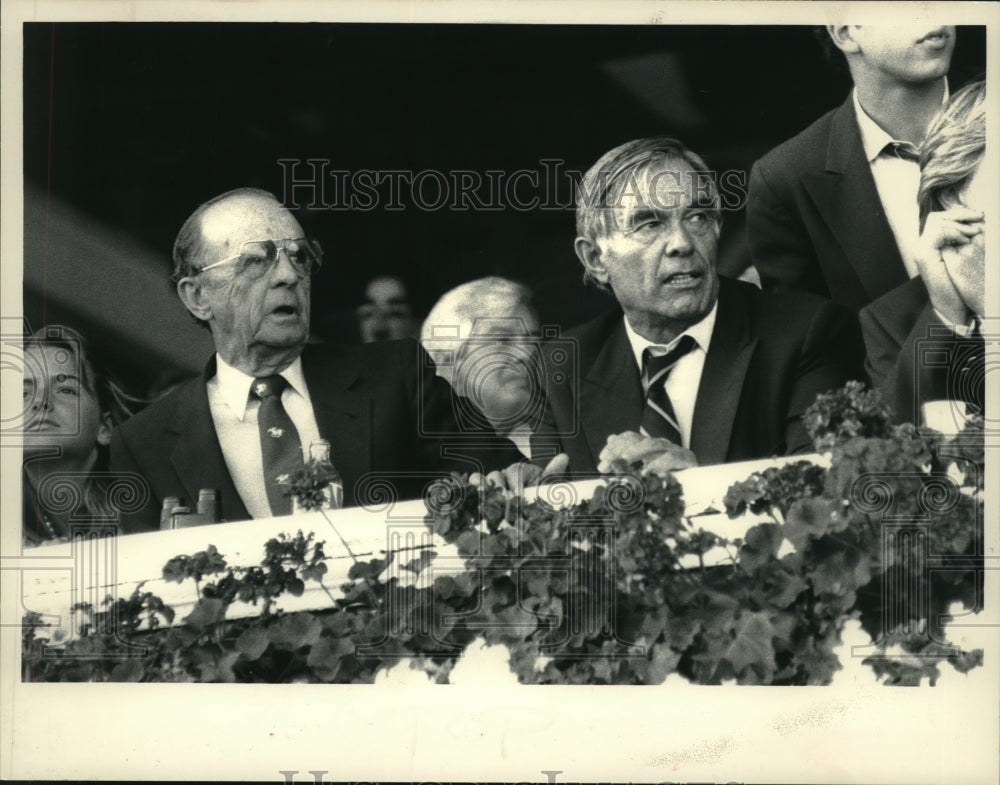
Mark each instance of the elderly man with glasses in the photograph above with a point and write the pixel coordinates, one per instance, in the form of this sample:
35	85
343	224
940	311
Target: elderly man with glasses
243	269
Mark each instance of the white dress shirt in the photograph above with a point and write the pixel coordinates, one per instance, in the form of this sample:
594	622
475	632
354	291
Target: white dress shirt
683	380
234	412
897	182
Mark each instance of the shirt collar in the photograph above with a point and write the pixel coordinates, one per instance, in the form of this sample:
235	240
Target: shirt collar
873	137
701	332
234	385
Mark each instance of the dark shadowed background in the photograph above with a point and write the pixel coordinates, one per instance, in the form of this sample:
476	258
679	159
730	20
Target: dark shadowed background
128	127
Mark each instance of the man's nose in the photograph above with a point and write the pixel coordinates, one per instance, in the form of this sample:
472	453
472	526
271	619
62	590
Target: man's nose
284	271
677	241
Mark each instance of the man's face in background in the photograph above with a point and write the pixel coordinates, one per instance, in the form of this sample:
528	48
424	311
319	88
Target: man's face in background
911	54
386	313
498	368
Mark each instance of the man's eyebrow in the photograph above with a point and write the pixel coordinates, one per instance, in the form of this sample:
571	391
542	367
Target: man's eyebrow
640	214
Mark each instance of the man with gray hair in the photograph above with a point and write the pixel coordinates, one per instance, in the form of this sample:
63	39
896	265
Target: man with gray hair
482	336
708	365
243	268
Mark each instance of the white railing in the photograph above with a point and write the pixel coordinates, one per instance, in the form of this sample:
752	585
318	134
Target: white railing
90	568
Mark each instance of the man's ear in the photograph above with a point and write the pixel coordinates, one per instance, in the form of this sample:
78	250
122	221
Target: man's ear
843	38
589	254
104	430
192	294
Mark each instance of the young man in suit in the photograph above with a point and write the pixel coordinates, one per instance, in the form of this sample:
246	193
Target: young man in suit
244	269
924	338
713	366
833	209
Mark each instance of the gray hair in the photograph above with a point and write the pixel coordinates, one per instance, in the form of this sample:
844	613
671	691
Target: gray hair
470	309
189	243
629	164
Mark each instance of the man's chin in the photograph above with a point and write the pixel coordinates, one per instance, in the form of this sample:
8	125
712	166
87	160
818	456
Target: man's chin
284	336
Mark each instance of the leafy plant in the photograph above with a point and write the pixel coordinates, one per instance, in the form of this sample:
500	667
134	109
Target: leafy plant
612	590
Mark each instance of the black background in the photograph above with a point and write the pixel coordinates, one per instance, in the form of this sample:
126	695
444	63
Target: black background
136	124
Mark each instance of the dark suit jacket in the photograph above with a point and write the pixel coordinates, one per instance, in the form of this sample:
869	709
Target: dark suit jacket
914	358
770	356
380	405
814	219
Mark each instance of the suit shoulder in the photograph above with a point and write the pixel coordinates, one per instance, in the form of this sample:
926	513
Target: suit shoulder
364	355
784	311
809	145
596	328
901	306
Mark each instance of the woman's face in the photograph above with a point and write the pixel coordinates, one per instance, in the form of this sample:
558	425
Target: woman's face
59	410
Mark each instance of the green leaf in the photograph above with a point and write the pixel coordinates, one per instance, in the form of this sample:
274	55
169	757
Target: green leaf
841	573
661	663
129	670
444	587
219	669
368	569
751	644
808	519
967	660
295	631
206	612
760	545
326	656
314	572
252	643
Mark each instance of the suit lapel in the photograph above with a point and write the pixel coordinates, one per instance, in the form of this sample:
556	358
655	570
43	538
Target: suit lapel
847	199
611	397
719	391
342	415
197	457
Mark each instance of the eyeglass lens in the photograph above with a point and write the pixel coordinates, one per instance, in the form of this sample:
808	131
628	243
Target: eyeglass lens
259	256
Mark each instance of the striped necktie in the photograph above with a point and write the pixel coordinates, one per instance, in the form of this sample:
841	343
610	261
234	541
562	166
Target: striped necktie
280	446
658	418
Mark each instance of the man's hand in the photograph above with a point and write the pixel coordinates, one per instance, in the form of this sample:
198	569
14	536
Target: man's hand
524	474
657	455
946	231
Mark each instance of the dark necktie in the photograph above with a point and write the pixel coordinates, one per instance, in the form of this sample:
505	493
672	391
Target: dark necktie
902	150
658	418
280	446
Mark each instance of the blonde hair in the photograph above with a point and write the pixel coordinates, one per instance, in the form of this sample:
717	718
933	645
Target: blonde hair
952	150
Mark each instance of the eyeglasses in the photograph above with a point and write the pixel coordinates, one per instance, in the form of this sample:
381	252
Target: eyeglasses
258	257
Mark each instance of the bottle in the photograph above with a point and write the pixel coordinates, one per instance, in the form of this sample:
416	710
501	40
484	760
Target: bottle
325	475
208	505
166	514
177	519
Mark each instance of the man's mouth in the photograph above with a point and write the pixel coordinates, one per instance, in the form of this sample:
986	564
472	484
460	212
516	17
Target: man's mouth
682	280
285	310
938	37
